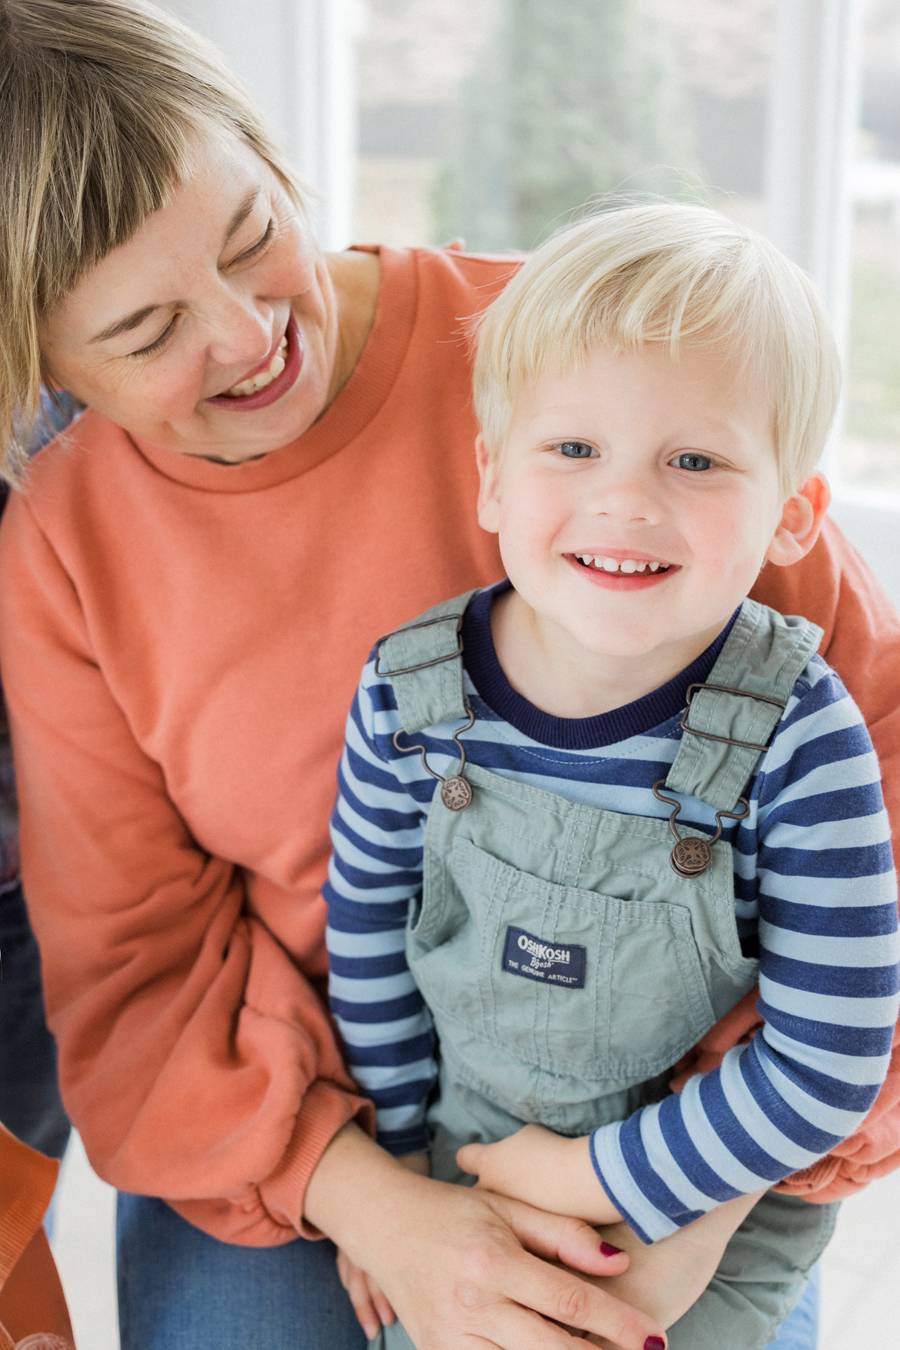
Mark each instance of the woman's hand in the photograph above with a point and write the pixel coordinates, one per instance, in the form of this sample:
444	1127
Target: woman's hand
543	1169
369	1302
667	1278
462	1268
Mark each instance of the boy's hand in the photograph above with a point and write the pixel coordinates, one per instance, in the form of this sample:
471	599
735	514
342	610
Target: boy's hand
545	1170
370	1303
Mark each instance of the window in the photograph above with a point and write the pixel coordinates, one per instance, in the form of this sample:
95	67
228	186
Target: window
422	120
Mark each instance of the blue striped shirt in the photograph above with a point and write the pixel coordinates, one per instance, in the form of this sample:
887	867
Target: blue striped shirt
815	894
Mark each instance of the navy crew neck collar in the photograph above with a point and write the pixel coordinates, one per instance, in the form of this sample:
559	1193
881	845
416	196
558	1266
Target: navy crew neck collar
570	733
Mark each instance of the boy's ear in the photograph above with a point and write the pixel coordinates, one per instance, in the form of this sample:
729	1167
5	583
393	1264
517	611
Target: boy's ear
801	521
489	489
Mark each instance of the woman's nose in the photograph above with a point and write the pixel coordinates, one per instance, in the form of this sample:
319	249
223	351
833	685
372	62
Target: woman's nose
240	332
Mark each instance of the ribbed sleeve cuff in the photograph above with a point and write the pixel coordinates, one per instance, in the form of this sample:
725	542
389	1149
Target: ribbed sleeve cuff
325	1109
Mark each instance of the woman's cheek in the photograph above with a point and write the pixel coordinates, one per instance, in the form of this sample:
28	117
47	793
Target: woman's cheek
174	394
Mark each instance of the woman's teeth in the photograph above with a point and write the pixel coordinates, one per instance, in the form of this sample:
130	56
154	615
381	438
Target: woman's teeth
263	377
626	565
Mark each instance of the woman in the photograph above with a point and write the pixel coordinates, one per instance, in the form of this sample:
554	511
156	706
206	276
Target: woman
276	467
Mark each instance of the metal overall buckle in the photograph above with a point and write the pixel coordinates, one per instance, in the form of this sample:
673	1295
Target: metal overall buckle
456	791
692	855
727	740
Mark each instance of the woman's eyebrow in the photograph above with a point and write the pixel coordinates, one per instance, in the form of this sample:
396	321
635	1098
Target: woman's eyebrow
125	325
241	213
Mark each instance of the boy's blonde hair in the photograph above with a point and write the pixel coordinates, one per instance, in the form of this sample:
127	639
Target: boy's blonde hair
100	101
672	274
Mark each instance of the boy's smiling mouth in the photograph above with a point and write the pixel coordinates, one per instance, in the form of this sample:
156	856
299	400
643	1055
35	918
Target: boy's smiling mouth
621	574
619	566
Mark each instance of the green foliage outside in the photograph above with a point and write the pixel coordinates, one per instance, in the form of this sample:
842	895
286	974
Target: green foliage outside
567	101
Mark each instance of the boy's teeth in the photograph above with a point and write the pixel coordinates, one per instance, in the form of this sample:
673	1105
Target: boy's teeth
263	377
628	566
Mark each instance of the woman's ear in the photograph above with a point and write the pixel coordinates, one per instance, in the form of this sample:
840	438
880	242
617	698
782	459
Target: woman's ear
801	521
489	489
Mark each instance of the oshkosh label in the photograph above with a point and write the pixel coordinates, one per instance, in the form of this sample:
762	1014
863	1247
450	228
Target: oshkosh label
559	963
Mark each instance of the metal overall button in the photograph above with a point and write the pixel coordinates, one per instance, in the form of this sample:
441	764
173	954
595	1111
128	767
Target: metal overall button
456	791
692	855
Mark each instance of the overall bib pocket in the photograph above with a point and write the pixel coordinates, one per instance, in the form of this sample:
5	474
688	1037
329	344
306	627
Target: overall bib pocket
565	980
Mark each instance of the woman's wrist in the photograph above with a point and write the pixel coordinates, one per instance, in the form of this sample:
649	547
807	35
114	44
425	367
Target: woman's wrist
354	1180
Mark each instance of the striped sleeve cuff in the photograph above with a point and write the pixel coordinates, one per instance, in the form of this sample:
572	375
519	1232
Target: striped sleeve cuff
649	1217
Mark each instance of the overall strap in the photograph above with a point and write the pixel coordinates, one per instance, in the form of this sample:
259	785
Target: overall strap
730	719
423	661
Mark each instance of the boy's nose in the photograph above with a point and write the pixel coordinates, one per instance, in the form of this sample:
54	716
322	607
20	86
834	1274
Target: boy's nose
626	494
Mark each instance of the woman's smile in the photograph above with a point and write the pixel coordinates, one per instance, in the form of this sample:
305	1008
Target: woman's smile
271	380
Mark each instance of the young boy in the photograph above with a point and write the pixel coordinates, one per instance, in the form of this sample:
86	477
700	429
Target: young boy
653	791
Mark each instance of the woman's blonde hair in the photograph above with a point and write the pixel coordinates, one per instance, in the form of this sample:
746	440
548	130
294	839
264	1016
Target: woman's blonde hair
99	103
672	274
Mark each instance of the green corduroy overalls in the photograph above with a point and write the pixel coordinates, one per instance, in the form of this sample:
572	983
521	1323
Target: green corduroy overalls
568	964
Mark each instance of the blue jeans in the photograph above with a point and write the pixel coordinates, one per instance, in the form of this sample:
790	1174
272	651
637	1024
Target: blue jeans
800	1330
180	1289
30	1104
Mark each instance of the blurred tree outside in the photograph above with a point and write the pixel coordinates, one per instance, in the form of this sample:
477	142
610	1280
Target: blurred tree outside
566	102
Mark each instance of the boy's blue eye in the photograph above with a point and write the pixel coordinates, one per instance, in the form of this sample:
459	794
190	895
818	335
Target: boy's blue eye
575	449
693	462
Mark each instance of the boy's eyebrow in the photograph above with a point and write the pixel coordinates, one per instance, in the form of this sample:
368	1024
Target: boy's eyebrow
134	320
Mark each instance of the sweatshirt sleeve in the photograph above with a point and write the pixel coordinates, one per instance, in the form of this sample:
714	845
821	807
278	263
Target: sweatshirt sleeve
821	874
375	874
196	1060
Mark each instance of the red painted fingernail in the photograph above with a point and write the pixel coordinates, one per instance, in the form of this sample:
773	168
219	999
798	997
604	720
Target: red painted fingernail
609	1250
654	1343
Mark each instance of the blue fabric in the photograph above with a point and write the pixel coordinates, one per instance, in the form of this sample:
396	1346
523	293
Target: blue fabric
180	1289
800	1331
30	1104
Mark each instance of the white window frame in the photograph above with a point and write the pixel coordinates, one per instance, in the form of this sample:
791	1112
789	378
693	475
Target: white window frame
297	57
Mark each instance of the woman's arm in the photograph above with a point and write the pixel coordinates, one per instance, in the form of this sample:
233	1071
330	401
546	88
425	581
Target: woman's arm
461	1267
196	1060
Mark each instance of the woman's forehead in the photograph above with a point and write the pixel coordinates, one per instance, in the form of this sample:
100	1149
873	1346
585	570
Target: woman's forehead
227	184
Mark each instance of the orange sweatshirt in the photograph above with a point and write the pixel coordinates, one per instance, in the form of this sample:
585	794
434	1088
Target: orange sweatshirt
181	641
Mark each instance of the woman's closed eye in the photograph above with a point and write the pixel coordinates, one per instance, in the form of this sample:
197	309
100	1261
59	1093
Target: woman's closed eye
158	343
692	461
259	247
